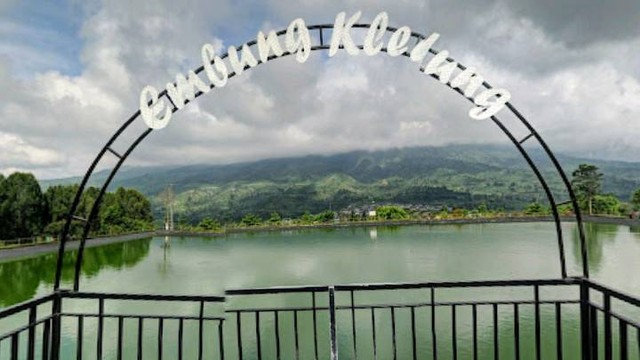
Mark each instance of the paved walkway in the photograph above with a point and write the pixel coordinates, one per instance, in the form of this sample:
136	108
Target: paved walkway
34	250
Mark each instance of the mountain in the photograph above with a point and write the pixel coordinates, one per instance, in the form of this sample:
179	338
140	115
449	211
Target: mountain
455	175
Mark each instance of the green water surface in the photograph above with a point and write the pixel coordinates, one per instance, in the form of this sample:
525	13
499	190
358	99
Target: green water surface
208	266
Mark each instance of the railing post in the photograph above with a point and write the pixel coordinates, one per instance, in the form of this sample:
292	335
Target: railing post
32	332
608	338
585	322
56	326
332	323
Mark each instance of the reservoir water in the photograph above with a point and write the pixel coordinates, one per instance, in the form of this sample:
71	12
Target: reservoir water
417	253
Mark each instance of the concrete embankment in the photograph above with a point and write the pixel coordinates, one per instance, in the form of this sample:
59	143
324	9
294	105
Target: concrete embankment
33	250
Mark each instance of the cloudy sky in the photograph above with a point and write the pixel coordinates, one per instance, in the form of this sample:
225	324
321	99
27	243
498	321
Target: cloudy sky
71	72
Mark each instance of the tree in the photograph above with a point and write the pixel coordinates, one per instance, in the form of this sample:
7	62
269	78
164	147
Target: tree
586	183
58	200
22	206
606	204
390	212
124	211
209	224
325	216
635	199
4	214
275	218
251	220
535	208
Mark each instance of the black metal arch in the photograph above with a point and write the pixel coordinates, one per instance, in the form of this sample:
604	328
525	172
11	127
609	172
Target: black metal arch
319	43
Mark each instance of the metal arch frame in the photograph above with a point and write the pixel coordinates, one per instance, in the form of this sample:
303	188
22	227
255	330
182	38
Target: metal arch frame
321	45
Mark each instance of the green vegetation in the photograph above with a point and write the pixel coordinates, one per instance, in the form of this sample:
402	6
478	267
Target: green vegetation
587	185
536	209
208	224
26	212
406	184
390	212
587	182
635	200
464	176
22	209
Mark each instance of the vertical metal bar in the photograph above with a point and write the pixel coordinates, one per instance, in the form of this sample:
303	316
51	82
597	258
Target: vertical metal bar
14	346
120	336
80	340
295	330
321	37
353	327
516	330
536	295
332	323
239	333
474	321
607	327
180	337
624	350
585	322
200	329
413	333
100	327
433	324
32	333
56	326
375	342
160	337
258	339
454	336
46	340
558	331
276	324
496	345
140	331
315	324
393	332
221	339
594	333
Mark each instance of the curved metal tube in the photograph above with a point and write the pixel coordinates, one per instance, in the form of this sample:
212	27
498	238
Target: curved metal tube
321	46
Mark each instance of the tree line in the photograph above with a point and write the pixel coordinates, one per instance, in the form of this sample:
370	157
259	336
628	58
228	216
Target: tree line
27	211
586	182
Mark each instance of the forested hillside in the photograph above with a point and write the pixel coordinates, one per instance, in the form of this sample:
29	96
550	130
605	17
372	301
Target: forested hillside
460	175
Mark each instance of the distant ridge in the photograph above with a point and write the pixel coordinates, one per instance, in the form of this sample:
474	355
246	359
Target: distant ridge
454	175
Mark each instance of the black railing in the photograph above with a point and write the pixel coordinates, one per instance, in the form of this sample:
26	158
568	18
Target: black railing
538	319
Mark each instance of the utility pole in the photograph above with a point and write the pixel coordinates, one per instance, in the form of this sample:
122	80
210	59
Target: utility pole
169	198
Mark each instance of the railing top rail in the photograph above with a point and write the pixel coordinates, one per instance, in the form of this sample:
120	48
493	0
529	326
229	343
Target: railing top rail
616	315
634	300
394	286
26	305
460	284
26	327
142	297
277	290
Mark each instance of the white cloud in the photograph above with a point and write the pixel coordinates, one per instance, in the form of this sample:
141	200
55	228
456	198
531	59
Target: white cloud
325	105
17	153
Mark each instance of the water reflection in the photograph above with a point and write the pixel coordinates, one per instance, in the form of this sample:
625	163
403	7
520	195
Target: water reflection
596	235
165	264
635	230
20	279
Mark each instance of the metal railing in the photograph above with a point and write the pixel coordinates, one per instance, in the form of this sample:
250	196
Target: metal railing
542	319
